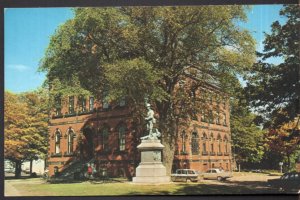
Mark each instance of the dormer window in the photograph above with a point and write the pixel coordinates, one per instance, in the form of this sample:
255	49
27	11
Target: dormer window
57	105
91	104
82	104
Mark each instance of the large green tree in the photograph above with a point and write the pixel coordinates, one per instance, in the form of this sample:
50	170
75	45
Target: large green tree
274	89
141	52
247	137
25	128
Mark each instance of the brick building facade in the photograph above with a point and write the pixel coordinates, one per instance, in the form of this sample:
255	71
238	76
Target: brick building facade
89	130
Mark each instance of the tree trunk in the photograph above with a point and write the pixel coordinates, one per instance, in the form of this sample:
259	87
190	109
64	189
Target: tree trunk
18	169
30	167
289	162
169	135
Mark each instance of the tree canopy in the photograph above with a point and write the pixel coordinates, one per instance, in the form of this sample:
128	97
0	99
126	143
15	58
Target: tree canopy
25	127
146	51
274	89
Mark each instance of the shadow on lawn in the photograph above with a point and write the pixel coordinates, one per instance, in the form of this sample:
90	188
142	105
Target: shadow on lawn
231	188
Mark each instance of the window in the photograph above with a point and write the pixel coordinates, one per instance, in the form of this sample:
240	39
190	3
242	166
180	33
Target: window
70	140
226	144
204	147
57	105
105	138
219	143
195	145
122	138
71	105
211	117
183	138
82	104
91	104
211	136
212	147
224	119
203	116
218	117
57	141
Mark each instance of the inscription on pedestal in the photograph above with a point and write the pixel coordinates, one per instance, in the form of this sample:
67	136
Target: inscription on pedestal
150	156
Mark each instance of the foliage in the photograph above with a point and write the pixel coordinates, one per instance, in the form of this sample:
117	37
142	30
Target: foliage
25	127
278	141
246	136
274	89
147	51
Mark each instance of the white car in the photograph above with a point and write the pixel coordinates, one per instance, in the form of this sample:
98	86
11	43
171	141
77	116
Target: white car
185	175
216	174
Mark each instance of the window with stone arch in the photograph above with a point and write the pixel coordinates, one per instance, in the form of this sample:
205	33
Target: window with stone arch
57	141
219	143
122	138
226	143
71	135
195	143
105	137
224	119
204	142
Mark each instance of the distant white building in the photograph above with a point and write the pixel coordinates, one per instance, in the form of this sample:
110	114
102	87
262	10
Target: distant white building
38	166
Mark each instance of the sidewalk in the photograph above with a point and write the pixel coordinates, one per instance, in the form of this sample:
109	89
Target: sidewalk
10	190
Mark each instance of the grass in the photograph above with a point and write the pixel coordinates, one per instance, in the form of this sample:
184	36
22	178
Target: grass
37	187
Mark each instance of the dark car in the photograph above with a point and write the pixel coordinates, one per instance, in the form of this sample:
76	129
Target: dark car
289	182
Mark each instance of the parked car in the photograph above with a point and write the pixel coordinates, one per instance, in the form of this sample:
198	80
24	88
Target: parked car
185	175
288	182
216	174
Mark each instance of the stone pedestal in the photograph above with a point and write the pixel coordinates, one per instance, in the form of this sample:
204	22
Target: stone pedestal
151	169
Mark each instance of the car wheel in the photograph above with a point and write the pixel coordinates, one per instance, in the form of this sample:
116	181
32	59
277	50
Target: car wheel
219	178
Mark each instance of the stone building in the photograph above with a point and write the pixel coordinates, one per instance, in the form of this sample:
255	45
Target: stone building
87	130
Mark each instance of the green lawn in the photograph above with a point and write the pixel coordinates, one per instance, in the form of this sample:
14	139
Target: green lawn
37	187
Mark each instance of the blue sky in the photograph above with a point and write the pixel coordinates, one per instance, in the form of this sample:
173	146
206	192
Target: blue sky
27	33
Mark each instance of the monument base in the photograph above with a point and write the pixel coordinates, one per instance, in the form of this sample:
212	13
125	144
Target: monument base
151	169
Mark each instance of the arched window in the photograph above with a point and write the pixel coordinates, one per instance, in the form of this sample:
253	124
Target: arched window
211	136
226	144
57	141
183	142
195	144
219	143
204	143
122	141
203	116
212	148
91	104
70	140
71	105
224	119
218	117
105	142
